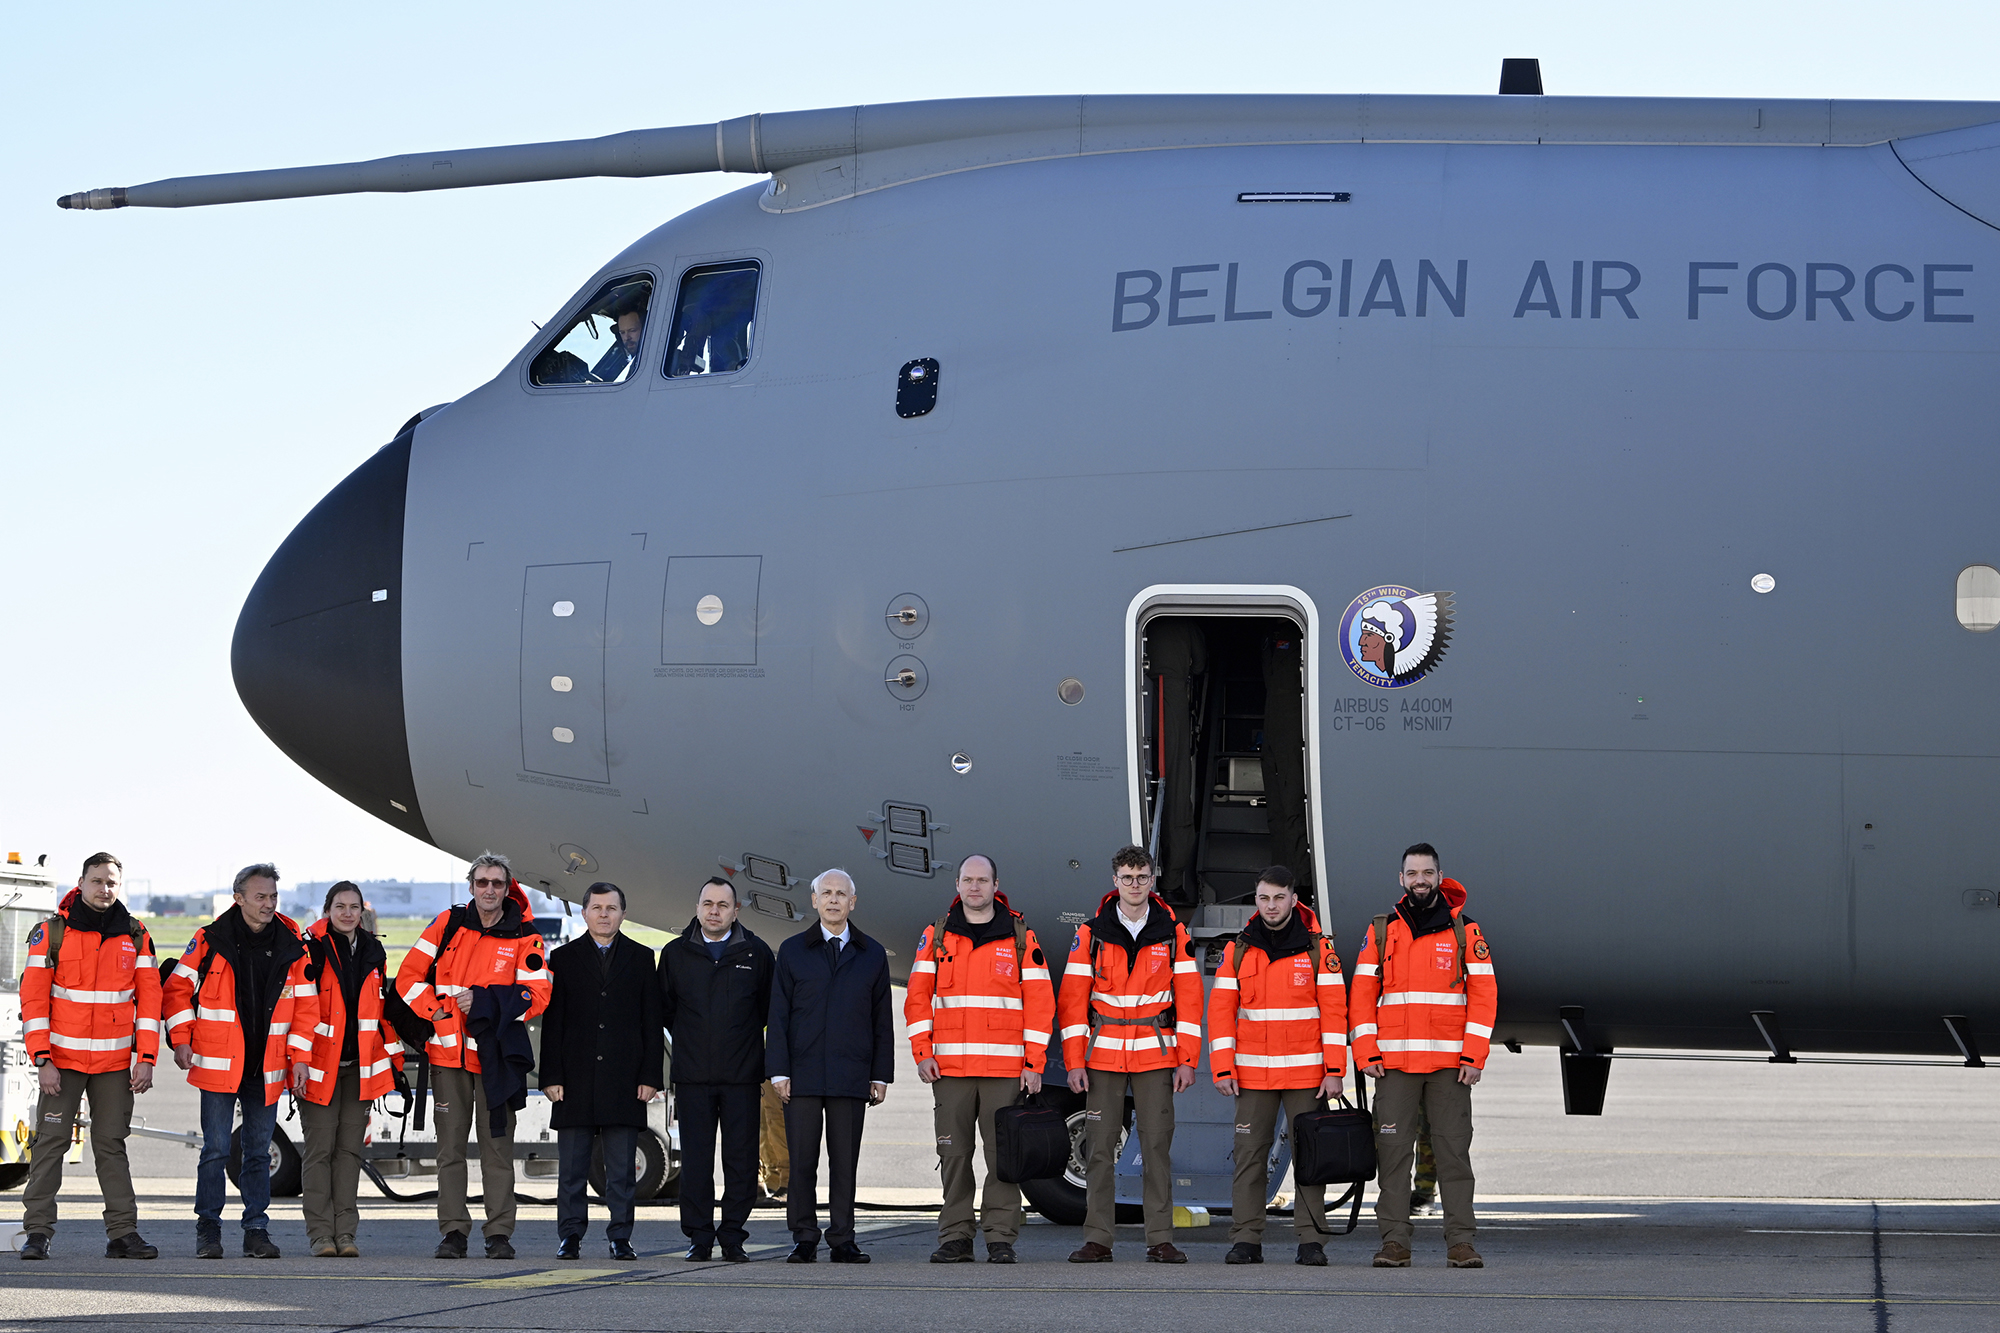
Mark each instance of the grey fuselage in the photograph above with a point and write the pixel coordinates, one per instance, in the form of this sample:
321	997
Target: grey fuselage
1673	800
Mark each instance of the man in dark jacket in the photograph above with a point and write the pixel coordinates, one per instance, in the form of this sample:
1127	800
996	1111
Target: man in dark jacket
830	1051
602	1061
715	993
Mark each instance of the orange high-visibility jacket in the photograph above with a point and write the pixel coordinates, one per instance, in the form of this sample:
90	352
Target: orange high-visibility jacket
1415	1013
1278	1022
209	1021
510	954
379	1054
100	1002
980	1009
1129	1005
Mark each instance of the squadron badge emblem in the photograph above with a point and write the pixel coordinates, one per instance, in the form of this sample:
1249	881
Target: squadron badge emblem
1393	636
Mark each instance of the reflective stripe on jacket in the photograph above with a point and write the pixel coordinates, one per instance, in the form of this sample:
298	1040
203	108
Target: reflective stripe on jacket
980	1012
1278	1023
509	954
1420	1017
99	1004
209	1023
1105	1001
378	1053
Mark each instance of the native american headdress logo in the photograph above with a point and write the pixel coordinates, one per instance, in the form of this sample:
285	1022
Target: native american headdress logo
1394	636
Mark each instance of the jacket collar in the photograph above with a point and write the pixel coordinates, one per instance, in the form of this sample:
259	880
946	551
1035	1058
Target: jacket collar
1294	937
1107	926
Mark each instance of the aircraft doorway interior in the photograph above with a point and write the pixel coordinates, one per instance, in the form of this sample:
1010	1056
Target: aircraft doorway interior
1222	703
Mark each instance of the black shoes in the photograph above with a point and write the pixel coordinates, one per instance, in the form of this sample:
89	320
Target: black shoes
952	1252
699	1254
1312	1254
1243	1252
851	1253
451	1245
805	1252
570	1247
131	1245
257	1245
999	1252
734	1254
622	1249
499	1247
37	1247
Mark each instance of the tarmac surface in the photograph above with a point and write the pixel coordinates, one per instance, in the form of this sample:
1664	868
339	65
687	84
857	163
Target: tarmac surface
1737	1196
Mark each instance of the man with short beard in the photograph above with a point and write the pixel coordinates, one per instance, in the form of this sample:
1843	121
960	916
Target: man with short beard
1423	1001
90	1013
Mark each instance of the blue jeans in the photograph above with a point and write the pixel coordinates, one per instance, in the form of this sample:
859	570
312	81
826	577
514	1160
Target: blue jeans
211	1182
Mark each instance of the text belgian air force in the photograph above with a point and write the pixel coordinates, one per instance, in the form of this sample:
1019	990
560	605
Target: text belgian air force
1229	292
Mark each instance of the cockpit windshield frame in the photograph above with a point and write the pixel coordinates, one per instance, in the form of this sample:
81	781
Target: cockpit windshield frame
574	314
695	266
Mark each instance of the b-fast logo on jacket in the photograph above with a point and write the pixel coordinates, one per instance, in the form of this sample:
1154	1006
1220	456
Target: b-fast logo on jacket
1394	636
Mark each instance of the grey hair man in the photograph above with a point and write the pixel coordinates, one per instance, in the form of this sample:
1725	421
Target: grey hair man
830	1052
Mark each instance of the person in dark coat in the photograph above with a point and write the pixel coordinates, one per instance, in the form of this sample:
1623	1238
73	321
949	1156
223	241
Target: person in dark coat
715	993
830	1052
603	1059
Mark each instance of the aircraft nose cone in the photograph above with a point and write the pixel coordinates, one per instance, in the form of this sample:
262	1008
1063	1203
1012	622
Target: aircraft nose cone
318	652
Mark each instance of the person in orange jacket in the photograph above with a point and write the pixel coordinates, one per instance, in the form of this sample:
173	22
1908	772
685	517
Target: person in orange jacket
1130	1009
355	1059
1423	1006
479	973
1277	1036
978	1012
90	1018
240	1014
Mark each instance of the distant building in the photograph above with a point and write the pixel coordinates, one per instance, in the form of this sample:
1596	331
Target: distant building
396	897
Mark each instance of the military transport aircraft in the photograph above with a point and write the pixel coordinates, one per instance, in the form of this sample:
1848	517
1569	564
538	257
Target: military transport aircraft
1599	488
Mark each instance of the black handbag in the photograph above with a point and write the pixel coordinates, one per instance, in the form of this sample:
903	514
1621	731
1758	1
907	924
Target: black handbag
1031	1142
1334	1146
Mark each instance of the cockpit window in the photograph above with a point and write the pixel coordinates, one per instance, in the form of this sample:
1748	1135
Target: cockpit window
602	346
715	318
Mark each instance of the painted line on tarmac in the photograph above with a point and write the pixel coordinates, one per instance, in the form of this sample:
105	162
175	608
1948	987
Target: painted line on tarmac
546	1277
1852	1231
1626	1298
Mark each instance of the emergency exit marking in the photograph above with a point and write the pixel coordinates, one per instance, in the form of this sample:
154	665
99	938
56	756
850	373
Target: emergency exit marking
563	735
561	684
564	608
379	595
708	610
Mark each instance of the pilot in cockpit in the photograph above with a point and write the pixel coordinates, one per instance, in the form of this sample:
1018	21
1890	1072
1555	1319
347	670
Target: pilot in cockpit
629	326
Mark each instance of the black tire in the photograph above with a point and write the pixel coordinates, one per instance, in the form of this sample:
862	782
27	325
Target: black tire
12	1174
651	1162
287	1167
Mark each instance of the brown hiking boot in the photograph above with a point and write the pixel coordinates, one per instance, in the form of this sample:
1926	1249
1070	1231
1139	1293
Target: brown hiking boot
1164	1253
1462	1255
1394	1255
1092	1253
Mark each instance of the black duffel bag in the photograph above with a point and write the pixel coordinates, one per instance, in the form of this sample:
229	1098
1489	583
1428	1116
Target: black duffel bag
1031	1142
1333	1147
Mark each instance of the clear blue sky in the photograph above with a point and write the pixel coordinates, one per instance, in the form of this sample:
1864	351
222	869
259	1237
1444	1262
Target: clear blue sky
185	385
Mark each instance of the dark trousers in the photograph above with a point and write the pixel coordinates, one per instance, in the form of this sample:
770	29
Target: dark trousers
621	1178
702	1109
841	1118
211	1178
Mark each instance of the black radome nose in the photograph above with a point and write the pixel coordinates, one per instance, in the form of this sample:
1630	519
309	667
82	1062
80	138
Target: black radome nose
318	653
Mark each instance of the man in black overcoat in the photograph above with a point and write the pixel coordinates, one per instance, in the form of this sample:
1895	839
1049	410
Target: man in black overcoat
715	992
830	1052
603	1060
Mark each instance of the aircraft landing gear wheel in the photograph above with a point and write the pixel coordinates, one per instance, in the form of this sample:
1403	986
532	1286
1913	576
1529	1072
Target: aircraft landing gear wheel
287	1167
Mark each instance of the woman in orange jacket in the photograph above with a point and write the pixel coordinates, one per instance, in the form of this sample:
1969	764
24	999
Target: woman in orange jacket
355	1059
